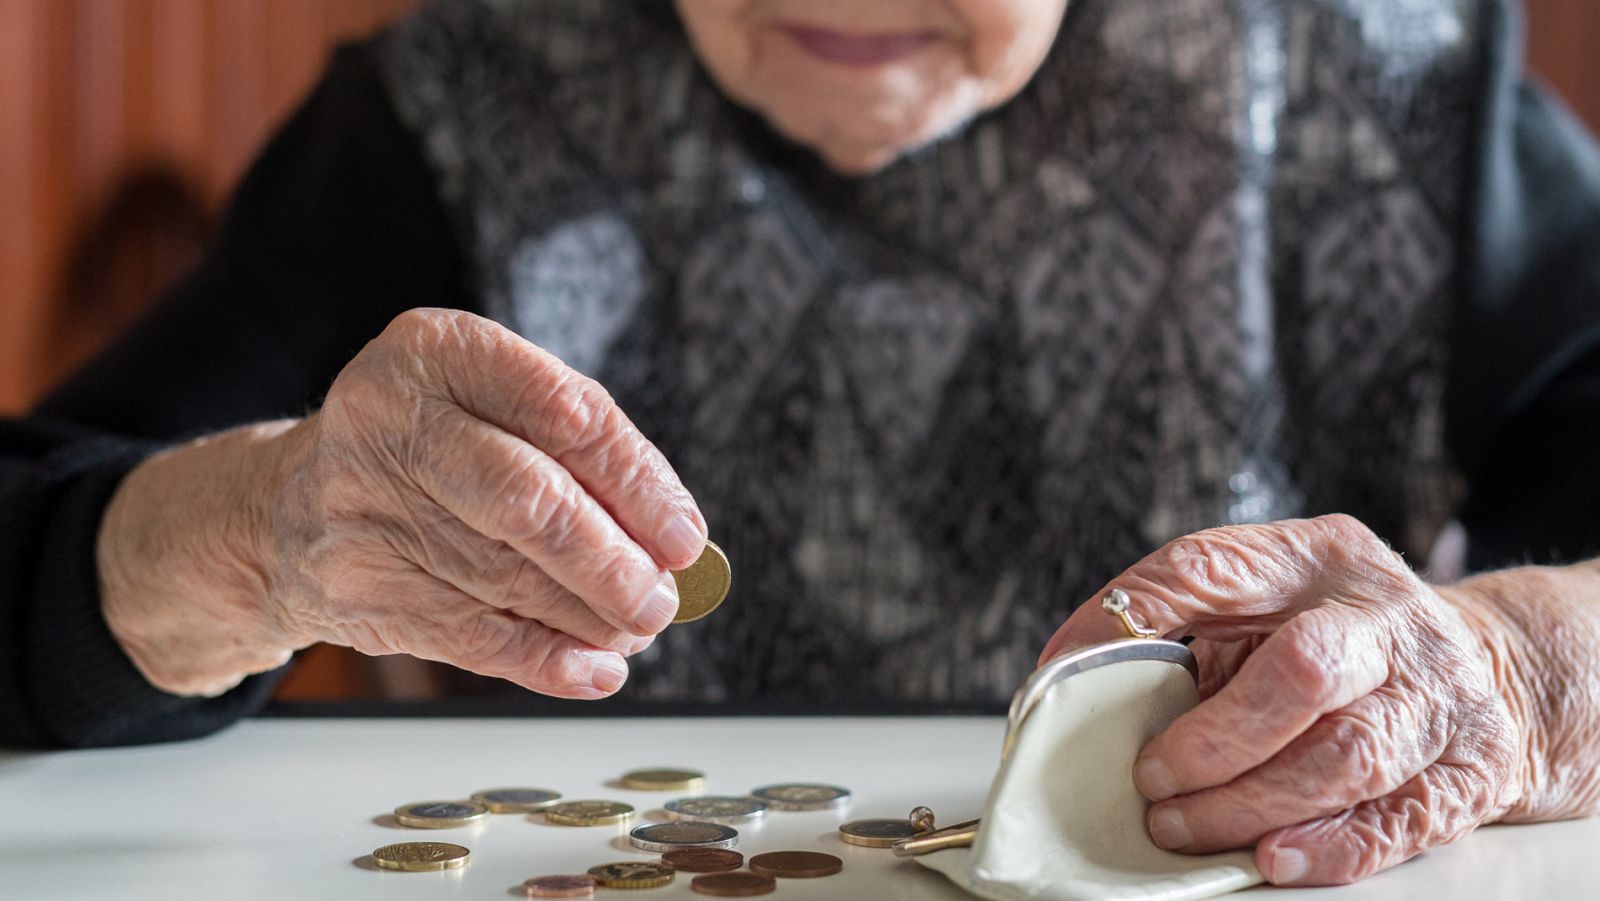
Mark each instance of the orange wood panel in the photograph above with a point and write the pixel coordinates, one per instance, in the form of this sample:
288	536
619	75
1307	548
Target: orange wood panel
1564	48
91	90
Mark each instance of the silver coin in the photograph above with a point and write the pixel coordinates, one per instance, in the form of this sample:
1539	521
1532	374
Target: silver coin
517	800
657	837
441	814
716	809
442	810
802	796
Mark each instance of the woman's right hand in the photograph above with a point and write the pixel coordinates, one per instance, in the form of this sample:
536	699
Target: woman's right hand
461	496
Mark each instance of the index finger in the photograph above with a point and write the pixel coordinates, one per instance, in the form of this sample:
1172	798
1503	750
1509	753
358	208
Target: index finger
497	376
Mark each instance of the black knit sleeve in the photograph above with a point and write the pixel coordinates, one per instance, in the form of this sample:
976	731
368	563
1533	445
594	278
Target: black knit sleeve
335	230
1524	398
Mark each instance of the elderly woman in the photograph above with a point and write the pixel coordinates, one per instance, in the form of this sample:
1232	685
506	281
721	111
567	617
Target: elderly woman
939	313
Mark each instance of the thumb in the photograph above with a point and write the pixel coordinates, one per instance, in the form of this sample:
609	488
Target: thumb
1233	581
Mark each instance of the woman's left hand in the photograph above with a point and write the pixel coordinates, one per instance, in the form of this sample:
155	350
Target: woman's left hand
1353	715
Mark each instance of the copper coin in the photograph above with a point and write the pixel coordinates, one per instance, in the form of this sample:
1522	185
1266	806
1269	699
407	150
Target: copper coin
703	860
733	885
795	864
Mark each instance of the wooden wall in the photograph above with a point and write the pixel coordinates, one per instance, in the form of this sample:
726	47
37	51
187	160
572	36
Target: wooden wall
92	90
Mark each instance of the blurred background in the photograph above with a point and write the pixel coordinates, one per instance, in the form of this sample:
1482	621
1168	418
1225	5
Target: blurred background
125	123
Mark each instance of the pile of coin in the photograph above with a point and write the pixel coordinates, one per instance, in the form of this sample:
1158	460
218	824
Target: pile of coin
698	838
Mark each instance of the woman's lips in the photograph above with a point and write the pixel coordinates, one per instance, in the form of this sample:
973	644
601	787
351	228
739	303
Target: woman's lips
857	49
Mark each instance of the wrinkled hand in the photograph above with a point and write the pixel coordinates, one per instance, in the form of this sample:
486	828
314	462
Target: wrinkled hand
461	496
1352	717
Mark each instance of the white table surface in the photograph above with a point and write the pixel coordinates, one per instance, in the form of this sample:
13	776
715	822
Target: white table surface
289	809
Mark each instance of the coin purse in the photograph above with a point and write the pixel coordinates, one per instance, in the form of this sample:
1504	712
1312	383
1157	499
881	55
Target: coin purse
1063	820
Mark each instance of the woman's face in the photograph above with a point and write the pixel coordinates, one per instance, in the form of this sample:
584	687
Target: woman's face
863	81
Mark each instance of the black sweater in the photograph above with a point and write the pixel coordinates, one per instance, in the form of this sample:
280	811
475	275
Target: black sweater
338	228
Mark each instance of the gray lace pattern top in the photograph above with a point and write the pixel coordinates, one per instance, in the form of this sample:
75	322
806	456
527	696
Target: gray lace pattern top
1196	273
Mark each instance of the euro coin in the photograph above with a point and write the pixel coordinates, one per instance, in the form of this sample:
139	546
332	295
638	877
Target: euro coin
631	874
703	860
418	857
441	814
716	809
561	886
516	800
733	885
663	780
795	864
657	837
588	813
877	833
703	585
802	796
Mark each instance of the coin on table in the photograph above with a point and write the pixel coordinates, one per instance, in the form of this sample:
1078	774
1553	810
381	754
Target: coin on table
632	874
516	800
716	809
795	864
588	813
659	837
703	585
876	833
441	814
733	885
561	886
417	857
802	796
703	860
663	780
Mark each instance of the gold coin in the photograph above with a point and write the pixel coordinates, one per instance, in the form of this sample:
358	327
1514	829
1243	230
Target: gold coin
703	585
881	833
632	874
516	800
663	780
588	813
441	814
416	857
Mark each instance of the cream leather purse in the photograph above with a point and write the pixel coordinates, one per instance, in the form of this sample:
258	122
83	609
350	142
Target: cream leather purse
1063	820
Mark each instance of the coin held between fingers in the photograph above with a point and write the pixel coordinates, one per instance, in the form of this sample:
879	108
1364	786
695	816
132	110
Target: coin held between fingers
703	585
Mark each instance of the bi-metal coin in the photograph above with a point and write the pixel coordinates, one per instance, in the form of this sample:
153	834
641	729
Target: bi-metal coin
703	860
441	814
802	796
516	800
588	813
703	585
664	779
418	857
876	833
658	837
631	874
795	864
560	886
733	885
716	809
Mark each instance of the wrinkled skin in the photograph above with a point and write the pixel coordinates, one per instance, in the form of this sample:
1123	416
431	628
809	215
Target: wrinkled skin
461	496
1354	716
860	118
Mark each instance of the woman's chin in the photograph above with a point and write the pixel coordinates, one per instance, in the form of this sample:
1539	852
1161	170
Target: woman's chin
854	161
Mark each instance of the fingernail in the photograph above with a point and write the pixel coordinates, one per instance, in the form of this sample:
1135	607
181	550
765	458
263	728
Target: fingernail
1288	865
1153	778
680	540
609	673
659	608
1169	829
